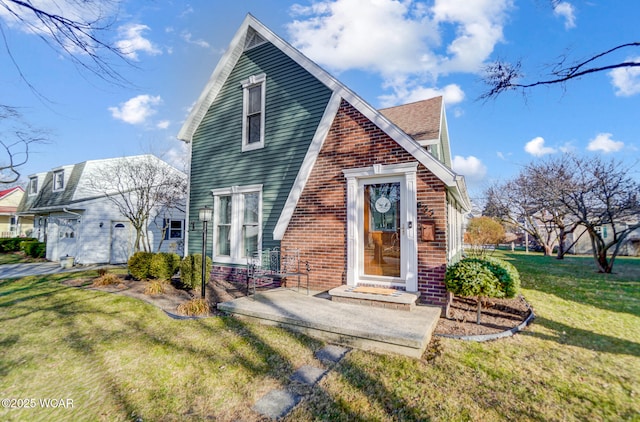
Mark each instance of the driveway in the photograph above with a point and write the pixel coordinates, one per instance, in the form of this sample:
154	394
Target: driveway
39	268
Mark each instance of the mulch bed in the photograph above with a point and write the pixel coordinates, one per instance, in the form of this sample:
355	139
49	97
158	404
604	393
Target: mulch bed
498	315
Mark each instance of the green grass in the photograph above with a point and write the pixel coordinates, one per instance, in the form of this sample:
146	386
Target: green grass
120	359
18	258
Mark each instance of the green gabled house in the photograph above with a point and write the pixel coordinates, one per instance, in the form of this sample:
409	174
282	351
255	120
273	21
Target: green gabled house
289	157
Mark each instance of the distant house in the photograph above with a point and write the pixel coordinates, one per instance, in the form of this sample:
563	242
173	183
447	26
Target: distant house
290	157
74	219
630	246
10	224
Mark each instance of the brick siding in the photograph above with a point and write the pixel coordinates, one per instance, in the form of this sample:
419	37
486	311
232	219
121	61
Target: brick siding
318	227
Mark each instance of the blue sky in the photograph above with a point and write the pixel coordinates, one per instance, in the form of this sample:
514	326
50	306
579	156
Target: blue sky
389	52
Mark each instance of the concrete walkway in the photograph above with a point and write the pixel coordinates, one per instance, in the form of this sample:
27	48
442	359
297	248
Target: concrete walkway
40	268
363	327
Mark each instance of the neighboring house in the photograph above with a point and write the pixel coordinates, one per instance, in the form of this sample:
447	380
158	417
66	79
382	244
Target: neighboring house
289	157
74	219
10	224
630	246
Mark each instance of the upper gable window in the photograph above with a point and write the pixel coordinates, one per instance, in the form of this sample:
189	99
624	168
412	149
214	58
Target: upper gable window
33	186
58	180
253	112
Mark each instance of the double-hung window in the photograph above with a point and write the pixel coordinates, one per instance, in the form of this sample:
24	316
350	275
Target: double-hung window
33	186
237	223
58	180
253	112
174	229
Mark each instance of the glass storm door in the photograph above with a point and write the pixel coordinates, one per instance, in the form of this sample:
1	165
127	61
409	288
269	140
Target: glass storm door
381	232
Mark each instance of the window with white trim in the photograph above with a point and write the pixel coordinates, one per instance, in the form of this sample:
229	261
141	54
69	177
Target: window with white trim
58	180
174	229
237	228
33	186
253	104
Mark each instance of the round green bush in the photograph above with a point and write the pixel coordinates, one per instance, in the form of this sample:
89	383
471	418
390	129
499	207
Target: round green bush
491	277
508	275
472	277
191	271
140	264
164	265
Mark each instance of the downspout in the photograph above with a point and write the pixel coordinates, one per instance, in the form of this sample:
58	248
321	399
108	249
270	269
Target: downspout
80	223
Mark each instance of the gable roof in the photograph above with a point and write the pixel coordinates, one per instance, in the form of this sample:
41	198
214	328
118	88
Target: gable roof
252	32
6	192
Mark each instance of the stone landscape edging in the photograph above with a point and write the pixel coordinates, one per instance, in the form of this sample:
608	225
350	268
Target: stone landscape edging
495	336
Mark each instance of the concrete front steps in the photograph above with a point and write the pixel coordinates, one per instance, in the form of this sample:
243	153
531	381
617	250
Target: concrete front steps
350	324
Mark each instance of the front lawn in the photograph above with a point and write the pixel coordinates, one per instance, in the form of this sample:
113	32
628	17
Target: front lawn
120	359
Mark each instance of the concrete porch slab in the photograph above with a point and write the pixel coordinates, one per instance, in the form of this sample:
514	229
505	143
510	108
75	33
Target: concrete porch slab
385	330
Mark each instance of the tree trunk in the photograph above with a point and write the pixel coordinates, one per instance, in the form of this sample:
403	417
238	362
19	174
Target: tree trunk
479	309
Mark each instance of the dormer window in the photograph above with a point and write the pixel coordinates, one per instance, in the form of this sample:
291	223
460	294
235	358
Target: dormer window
33	186
253	112
58	180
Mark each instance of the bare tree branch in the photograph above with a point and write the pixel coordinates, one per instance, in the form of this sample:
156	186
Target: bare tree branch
502	76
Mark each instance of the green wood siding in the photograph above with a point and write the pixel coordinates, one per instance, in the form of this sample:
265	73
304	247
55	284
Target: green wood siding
294	104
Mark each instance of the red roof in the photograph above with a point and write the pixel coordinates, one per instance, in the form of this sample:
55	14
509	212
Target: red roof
6	192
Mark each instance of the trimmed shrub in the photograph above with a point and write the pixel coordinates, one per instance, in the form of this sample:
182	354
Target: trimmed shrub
489	277
191	271
472	277
164	265
139	265
34	249
14	244
507	274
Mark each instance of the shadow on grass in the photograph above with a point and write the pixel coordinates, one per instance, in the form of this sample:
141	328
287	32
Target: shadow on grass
576	279
566	334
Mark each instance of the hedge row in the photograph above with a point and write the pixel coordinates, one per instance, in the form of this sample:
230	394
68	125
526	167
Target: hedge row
30	246
13	244
148	265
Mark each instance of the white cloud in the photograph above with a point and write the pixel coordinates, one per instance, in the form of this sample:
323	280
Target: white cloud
536	147
470	167
452	94
408	43
131	41
187	36
136	110
603	142
566	11
626	80
163	124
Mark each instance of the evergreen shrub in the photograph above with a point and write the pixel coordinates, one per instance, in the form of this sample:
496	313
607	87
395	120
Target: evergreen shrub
191	271
140	265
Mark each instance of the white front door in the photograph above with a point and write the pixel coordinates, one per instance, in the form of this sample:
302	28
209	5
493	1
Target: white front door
381	228
121	243
67	236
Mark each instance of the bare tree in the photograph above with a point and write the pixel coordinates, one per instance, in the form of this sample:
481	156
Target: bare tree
517	202
16	139
144	189
603	197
